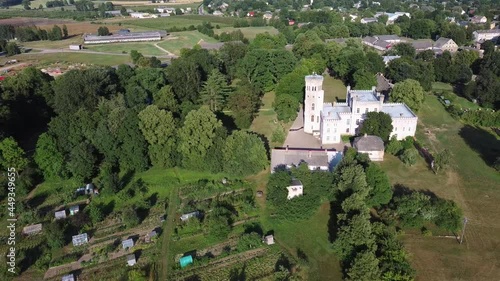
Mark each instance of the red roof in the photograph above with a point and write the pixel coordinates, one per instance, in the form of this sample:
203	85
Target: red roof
291	22
2	78
251	14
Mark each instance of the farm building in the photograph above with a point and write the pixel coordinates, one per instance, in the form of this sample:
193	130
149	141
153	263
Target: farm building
125	37
60	214
32	229
75	47
68	277
138	15
269	240
187	216
185	261
131	260
129	243
371	145
74	209
165	10
80	239
295	189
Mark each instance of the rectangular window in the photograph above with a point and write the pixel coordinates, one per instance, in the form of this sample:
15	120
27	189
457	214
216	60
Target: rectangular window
357	121
375	109
327	138
395	129
348	121
312	118
317	119
335	130
347	130
366	110
357	110
328	130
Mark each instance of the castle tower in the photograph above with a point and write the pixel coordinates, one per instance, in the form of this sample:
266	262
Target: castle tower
313	103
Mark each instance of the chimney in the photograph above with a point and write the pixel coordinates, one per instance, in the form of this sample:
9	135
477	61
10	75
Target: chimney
310	154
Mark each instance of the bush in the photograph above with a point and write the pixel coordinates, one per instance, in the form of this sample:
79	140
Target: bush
394	146
409	156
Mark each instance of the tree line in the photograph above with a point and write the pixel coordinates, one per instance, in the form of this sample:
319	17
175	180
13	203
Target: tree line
33	33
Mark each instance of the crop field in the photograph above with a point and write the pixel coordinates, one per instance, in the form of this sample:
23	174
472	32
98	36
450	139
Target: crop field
249	32
470	182
178	21
186	39
33	21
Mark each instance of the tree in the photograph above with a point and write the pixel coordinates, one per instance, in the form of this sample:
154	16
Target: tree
54	232
95	212
409	156
48	157
135	56
244	154
82	162
26	4
378	124
449	215
244	104
218	227
409	92
103	31
129	216
215	90
165	99
65	31
196	136
12	49
405	49
442	160
55	33
286	107
364	267
11	155
381	191
364	80
158	128
230	54
394	146
123	11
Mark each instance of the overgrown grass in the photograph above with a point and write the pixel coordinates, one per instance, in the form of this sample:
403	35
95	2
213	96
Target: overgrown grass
145	48
249	32
86	58
470	182
186	39
178	21
334	89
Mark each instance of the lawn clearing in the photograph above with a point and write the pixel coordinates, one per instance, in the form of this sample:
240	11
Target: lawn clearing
185	39
470	182
249	32
145	48
334	89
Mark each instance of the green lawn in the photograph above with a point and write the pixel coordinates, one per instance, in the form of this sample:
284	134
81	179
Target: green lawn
446	90
249	32
334	89
145	48
186	39
470	182
74	58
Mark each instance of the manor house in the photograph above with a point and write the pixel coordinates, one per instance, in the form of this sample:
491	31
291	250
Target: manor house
329	121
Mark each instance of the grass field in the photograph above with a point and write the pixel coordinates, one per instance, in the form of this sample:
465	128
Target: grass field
470	182
446	90
186	39
249	32
145	48
74	58
178	21
334	89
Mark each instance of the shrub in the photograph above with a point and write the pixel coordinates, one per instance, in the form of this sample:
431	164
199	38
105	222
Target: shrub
409	156
394	146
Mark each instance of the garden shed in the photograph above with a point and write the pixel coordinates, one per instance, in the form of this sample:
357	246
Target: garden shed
185	261
32	229
80	239
60	214
131	260
129	243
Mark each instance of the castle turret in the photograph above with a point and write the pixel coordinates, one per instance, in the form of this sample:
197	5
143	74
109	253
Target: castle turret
313	103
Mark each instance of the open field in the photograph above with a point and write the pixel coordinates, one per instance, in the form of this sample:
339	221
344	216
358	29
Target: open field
186	39
249	32
446	90
74	57
33	21
334	89
146	48
470	182
178	21
144	3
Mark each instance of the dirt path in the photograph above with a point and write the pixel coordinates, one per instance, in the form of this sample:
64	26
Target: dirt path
169	227
164	50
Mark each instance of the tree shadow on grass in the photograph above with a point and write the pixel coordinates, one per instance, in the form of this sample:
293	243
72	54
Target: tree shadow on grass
481	141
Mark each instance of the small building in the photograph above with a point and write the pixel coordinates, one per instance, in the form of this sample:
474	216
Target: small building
131	261
291	22
68	277
88	188
126	244
125	37
251	14
150	236
478	19
320	159
269	240
80	239
485	35
115	13
388	59
165	10
446	44
139	15
267	16
185	261
73	210
383	85
32	229
371	145
368	20
295	189
187	216
218	13
75	47
60	214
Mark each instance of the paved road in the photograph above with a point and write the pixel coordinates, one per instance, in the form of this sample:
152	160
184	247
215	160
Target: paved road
167	234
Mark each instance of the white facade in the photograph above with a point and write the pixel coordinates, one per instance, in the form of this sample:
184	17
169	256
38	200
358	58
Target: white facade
295	189
313	103
339	119
485	35
138	15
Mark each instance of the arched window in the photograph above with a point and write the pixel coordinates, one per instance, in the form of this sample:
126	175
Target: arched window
313	106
